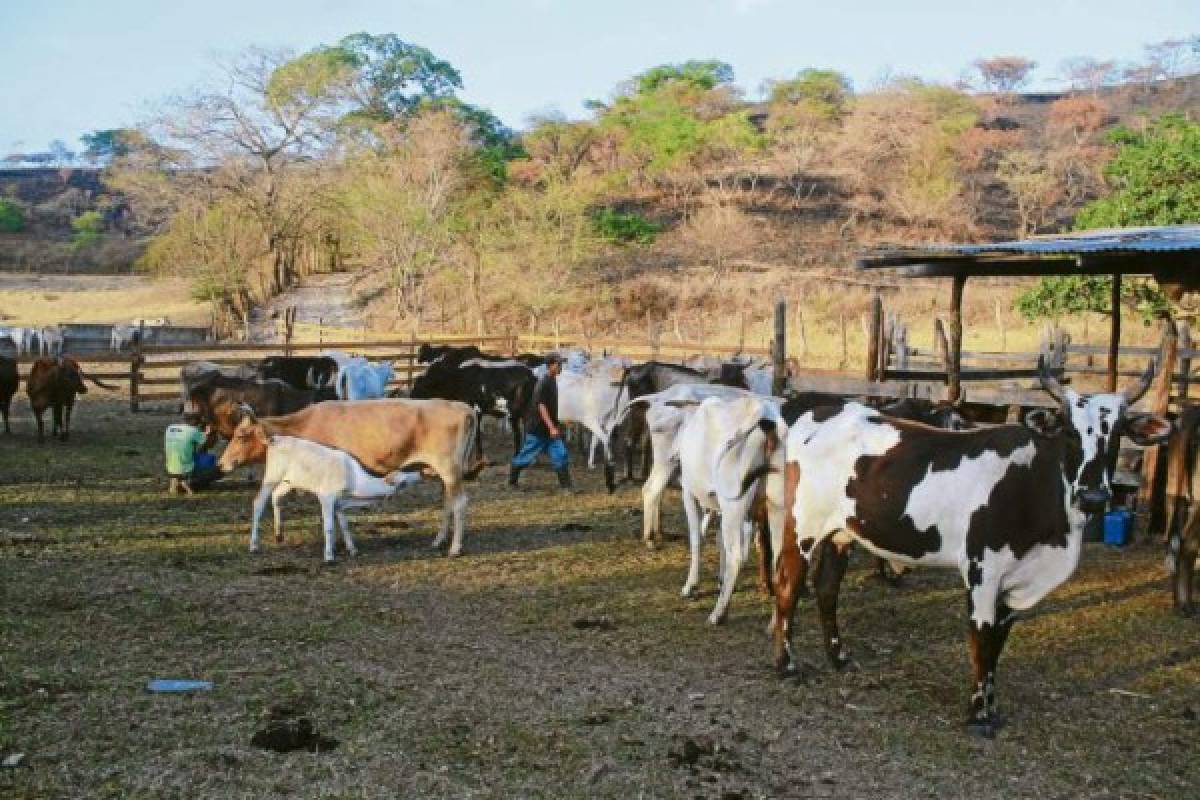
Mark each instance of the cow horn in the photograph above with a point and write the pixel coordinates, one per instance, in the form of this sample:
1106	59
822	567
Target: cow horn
1134	393
248	411
1049	382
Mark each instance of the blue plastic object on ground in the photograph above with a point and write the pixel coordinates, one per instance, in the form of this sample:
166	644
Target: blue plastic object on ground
1118	525
174	686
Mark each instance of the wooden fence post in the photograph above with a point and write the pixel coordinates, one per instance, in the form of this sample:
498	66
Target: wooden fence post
741	331
954	373
1185	361
1159	399
1114	333
874	333
802	351
779	350
135	367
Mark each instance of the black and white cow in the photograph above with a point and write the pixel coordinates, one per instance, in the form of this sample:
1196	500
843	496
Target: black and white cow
1005	506
300	372
490	387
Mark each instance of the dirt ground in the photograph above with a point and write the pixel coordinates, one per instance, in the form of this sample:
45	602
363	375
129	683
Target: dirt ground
554	659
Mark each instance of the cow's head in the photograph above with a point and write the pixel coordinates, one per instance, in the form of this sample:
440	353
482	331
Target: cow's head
247	445
70	375
1096	422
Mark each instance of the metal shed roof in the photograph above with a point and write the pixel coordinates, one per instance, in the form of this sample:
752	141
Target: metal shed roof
1170	252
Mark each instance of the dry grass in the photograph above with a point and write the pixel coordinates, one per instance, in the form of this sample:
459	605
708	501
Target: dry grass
471	677
30	299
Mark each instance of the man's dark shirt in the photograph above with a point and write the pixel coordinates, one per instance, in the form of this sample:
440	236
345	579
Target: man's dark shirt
546	394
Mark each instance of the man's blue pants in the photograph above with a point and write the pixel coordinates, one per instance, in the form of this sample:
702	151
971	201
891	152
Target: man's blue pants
534	444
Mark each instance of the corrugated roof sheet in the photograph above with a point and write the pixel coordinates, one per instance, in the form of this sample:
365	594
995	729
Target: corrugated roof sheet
1116	242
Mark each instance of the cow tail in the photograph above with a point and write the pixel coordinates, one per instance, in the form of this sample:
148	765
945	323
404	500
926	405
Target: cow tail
100	383
470	471
769	427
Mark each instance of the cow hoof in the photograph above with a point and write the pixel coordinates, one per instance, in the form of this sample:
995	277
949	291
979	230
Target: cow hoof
715	619
1186	610
255	550
982	728
279	538
651	544
454	553
329	562
842	663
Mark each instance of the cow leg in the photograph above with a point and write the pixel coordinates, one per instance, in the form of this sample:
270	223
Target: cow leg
6	406
66	431
791	571
988	623
345	526
328	506
456	510
478	437
56	412
41	425
518	432
652	494
277	495
260	505
647	453
1185	564
831	566
734	542
888	572
691	509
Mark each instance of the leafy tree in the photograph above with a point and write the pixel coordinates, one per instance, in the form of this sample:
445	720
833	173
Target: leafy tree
624	228
87	228
822	93
699	74
102	146
12	217
1156	181
1004	73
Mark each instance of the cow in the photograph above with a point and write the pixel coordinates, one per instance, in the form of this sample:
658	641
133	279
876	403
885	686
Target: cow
123	336
939	415
335	477
1005	506
361	380
1183	520
219	400
51	339
655	376
300	372
488	387
384	435
194	373
150	322
22	339
9	380
589	398
730	457
447	355
53	383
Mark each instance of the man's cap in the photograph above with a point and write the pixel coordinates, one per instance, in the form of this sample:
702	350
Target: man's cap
553	358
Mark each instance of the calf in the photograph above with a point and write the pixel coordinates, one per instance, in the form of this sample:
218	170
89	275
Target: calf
9	380
1005	506
384	436
730	459
334	476
53	383
195	373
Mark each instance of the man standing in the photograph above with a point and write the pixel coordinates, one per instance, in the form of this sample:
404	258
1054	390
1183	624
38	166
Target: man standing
542	432
188	466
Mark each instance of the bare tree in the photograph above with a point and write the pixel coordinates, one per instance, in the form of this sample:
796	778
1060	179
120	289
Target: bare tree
1084	73
1004	74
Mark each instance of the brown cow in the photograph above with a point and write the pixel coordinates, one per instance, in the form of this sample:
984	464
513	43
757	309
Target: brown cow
385	435
53	383
219	399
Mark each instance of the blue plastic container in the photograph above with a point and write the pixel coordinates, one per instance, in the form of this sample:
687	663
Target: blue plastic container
1118	527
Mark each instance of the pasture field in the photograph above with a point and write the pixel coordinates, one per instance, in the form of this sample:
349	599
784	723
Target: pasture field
555	659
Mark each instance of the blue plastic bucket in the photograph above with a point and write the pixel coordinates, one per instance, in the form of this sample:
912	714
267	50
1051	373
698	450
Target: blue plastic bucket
1118	526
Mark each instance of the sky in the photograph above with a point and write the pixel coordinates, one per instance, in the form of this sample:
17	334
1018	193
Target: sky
72	66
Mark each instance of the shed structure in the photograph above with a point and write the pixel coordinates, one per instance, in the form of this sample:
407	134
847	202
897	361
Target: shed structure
1170	254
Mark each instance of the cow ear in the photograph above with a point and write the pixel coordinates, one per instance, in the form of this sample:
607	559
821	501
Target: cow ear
1147	429
1043	422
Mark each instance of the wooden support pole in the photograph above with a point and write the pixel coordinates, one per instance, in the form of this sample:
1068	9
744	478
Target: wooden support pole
954	363
1114	334
1185	361
1160	397
779	349
135	367
874	333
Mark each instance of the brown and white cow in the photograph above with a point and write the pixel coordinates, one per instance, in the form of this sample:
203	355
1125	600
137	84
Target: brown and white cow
385	435
218	400
1005	506
53	383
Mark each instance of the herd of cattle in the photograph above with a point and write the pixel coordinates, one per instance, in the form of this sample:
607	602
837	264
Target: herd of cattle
804	477
49	340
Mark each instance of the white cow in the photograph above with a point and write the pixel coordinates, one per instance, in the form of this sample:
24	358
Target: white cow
123	336
51	338
334	476
362	380
590	398
150	322
22	339
666	411
731	455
